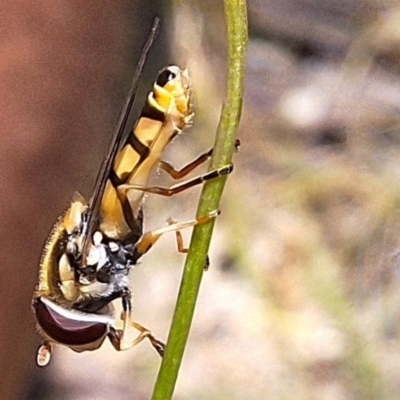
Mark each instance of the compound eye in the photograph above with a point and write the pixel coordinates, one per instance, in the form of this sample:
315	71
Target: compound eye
164	77
68	327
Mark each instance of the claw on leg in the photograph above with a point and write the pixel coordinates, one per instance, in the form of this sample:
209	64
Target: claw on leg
181	246
118	338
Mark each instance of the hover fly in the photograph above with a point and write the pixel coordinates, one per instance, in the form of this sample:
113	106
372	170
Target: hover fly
93	246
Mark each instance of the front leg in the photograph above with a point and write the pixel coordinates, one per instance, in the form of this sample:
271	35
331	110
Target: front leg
119	342
118	337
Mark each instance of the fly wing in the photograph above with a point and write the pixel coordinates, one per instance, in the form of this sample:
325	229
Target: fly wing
101	180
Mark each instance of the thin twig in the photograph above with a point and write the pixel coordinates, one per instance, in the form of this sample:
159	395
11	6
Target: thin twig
236	21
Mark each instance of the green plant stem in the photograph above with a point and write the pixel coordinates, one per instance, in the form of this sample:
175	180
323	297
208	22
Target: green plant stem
236	20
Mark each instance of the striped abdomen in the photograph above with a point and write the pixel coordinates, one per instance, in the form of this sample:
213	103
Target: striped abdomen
167	111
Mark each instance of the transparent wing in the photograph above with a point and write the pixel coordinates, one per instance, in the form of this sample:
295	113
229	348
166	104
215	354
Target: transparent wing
101	180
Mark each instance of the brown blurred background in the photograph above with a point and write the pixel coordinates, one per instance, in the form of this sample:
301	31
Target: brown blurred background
302	296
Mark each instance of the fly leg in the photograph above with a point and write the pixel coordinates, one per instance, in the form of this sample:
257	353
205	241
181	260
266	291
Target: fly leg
149	238
145	333
118	337
187	169
177	174
180	187
115	336
179	238
180	245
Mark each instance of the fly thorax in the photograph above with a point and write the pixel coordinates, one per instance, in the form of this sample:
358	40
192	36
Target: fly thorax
96	260
119	281
119	261
96	288
97	257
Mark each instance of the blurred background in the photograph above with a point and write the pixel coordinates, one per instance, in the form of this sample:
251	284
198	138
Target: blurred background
302	296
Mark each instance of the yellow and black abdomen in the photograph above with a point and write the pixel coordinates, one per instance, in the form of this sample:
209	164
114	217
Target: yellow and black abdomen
166	113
